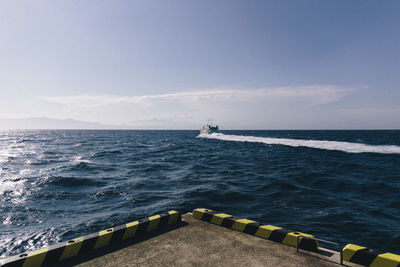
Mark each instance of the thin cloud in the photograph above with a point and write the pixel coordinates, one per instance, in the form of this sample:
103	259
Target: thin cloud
313	94
371	111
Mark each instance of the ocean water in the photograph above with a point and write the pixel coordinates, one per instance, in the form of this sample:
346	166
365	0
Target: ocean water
343	186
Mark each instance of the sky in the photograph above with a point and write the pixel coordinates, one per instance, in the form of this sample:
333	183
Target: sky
171	64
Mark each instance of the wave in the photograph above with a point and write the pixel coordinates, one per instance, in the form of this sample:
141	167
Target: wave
74	181
319	144
78	159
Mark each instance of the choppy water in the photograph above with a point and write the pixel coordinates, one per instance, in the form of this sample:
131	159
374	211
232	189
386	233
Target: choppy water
338	185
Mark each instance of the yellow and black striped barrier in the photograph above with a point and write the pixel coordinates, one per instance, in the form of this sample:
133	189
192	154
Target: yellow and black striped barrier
81	246
254	228
369	257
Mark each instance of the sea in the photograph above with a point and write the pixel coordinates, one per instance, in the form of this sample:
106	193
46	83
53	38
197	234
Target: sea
341	186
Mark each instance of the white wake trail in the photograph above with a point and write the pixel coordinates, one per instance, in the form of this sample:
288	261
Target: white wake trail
328	145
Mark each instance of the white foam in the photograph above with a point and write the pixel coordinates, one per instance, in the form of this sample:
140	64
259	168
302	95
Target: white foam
78	159
16	190
328	145
7	221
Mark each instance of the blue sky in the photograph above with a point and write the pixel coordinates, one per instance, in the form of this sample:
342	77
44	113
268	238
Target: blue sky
176	64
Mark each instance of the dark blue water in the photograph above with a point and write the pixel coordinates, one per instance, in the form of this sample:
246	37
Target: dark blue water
57	185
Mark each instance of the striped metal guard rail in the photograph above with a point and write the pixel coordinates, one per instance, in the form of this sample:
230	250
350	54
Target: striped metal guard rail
81	246
270	232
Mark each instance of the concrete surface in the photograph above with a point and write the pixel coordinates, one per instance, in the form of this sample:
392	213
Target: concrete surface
202	244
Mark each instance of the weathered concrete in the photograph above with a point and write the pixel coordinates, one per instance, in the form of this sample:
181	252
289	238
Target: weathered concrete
202	244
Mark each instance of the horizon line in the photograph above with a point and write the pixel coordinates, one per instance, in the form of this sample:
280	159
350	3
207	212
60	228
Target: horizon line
137	129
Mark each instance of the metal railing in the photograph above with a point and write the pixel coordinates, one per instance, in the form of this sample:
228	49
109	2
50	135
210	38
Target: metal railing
322	241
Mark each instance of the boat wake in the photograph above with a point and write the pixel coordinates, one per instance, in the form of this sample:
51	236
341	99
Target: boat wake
319	144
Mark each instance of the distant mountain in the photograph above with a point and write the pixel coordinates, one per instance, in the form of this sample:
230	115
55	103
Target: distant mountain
49	123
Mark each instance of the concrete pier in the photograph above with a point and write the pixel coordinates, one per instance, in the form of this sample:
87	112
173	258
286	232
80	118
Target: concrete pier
197	243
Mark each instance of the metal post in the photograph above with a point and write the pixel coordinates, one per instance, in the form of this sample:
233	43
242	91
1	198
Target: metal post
322	241
341	255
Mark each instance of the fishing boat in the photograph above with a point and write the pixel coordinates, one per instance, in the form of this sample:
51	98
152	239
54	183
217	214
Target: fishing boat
209	129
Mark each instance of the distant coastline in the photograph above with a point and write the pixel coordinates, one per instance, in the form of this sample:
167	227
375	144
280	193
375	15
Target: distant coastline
46	123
